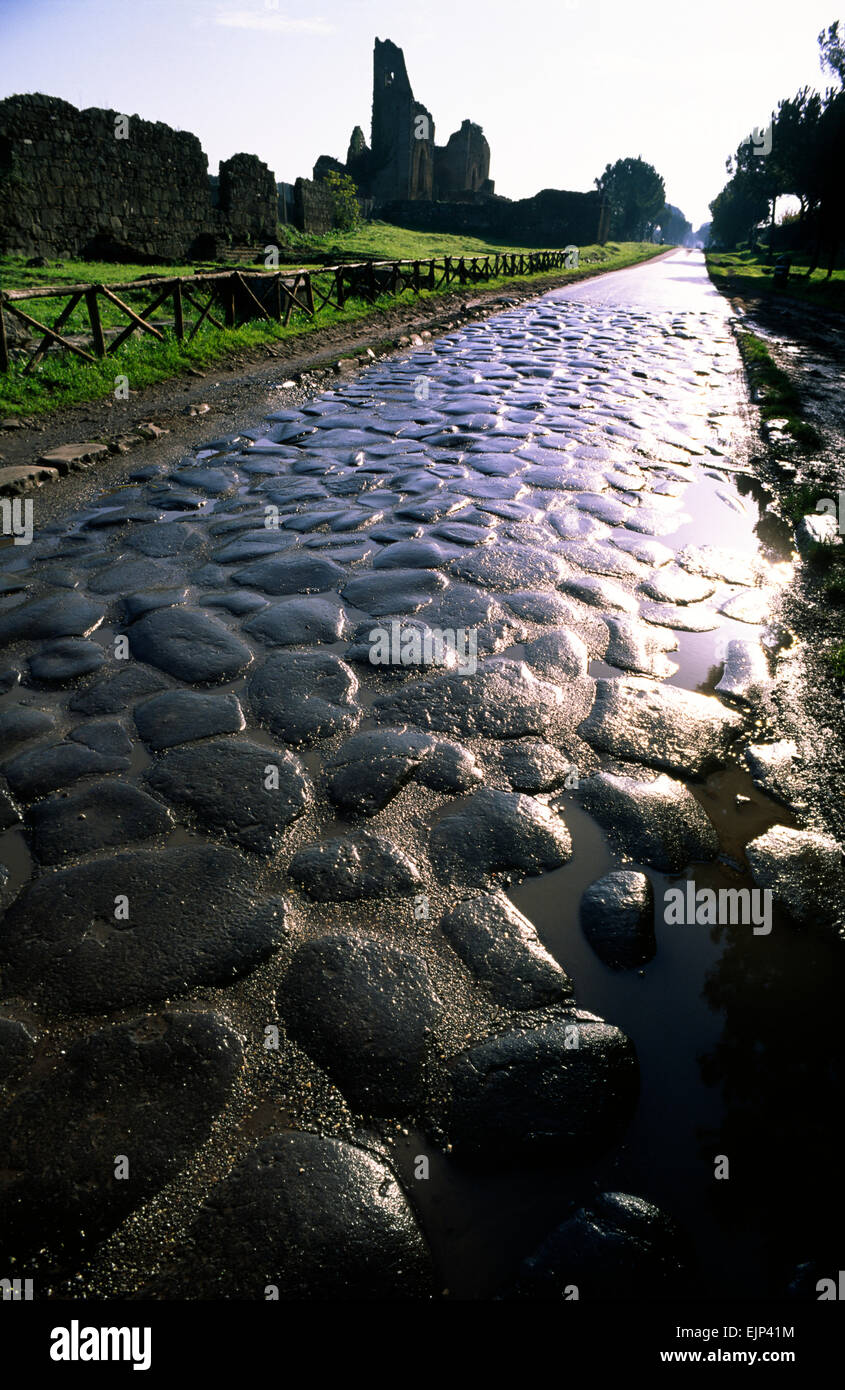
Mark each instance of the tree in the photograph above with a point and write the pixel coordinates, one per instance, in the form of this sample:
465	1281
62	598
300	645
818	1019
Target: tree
805	159
635	194
825	155
346	213
828	162
674	227
756	170
737	210
832	50
794	145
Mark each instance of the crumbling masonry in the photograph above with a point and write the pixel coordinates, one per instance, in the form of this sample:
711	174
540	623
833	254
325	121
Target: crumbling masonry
403	162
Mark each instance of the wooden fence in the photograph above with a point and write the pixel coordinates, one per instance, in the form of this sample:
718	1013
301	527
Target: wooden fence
237	296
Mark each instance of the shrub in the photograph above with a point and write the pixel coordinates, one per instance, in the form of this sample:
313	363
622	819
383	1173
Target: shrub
346	213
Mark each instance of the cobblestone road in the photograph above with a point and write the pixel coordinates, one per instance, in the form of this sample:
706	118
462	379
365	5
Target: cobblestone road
281	723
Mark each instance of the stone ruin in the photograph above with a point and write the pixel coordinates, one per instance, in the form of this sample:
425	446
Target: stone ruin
99	185
407	179
402	161
106	186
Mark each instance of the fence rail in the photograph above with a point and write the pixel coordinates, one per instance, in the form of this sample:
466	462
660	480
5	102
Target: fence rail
238	296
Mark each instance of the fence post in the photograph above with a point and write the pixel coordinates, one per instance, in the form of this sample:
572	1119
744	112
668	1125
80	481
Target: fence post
96	323
178	310
338	275
431	274
4	347
416	279
309	293
290	291
229	318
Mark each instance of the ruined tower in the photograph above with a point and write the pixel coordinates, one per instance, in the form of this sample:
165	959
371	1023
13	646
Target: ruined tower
402	145
402	163
463	164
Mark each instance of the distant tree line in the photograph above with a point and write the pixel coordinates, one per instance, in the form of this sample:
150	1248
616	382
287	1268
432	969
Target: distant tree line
802	153
635	196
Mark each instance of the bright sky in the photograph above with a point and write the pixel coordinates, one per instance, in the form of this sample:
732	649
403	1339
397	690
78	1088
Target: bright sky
561	87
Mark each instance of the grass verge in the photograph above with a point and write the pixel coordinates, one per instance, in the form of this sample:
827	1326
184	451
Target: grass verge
384	240
748	274
836	660
775	393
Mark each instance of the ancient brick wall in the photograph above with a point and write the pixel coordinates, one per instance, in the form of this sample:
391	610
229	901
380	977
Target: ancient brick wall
72	185
463	163
554	218
249	199
86	183
557	217
326	165
313	206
